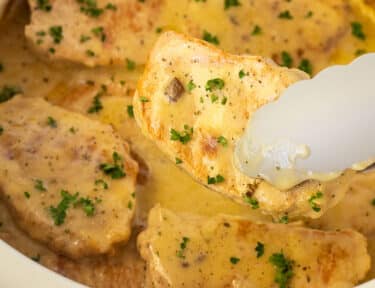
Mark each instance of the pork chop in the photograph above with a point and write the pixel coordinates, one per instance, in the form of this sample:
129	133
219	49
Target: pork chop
228	251
68	180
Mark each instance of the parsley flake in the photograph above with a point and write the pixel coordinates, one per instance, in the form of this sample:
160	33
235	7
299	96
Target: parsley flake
7	92
215	180
102	182
183	245
43	5
38	185
207	36
283	268
51	122
130	110
115	170
130	65
214	84
357	30
285	15
191	86
99	32
241	74
254	203
96	105
256	31
231	3
312	200
58	213
234	260
223	141
259	249
286	59
305	66
184	136
56	32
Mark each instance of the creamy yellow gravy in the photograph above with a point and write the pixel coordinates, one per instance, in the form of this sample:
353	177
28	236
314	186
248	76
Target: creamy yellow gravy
164	183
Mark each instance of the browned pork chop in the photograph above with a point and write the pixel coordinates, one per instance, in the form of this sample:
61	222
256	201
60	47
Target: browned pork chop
68	180
195	100
227	251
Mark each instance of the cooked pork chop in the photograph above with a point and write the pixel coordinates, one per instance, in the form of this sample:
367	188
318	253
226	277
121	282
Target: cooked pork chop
102	32
98	32
227	251
68	180
195	101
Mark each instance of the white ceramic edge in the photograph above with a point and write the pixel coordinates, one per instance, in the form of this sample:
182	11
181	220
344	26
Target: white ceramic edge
18	271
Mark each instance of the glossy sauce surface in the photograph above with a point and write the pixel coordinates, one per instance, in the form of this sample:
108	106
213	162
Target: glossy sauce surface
166	183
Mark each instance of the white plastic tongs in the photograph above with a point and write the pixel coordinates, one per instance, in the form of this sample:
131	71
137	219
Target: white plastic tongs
317	128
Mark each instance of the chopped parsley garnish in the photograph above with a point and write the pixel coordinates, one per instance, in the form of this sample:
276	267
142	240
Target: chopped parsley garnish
285	15
254	203
305	66
191	86
36	258
102	182
223	141
115	170
357	30
178	161
87	204
284	219
207	36
257	30
315	206
183	245
44	5
27	194
215	180
111	6
7	92
56	32
38	185
72	130
234	260
90	8
231	3
259	249
373	202
59	213
84	38
130	205
144	99
51	122
159	30
130	110
96	105
214	98
224	100
283	267
90	53
52	50
360	52
130	65
309	14
286	59
241	74
99	32
1	130
184	136
213	84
